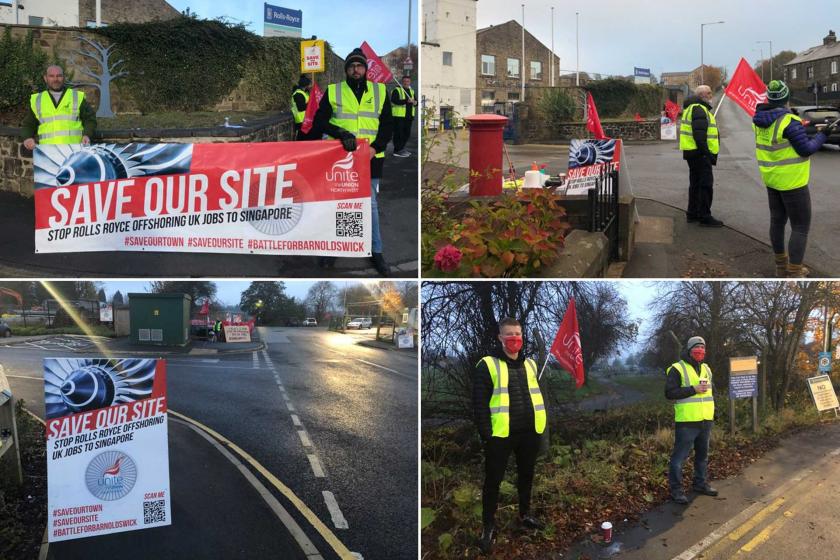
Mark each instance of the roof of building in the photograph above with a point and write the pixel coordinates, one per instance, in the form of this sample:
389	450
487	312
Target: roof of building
817	53
671	74
517	24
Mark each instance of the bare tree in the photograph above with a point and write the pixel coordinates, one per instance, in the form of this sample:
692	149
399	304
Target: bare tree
102	81
320	297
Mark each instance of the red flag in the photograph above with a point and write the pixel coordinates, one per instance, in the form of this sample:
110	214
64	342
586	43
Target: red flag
746	88
672	110
205	307
593	123
315	95
566	345
377	71
637	117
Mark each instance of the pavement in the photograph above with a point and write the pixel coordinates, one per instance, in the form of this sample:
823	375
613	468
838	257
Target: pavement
398	205
780	507
305	448
124	346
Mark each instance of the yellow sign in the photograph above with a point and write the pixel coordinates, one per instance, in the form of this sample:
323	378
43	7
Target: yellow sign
743	366
237	333
312	56
823	392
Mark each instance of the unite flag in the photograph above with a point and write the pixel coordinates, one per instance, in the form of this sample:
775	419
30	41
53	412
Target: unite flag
746	88
566	346
315	96
377	70
593	123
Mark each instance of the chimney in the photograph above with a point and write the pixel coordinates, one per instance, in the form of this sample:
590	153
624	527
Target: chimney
830	39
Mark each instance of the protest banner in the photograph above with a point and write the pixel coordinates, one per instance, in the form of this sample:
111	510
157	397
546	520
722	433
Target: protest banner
280	198
107	446
312	56
237	333
587	158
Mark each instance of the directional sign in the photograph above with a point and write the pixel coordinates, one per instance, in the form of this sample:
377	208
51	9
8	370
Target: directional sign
824	362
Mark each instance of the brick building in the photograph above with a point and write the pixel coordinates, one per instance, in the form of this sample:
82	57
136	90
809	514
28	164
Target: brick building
500	69
82	13
817	67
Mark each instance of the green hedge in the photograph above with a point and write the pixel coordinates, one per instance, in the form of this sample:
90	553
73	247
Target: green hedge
22	66
615	97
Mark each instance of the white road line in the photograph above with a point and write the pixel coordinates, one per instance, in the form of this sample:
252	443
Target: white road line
296	420
304	438
255	359
335	512
317	470
290	406
381	367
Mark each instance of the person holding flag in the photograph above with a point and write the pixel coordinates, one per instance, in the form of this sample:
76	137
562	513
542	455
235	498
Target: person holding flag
689	385
360	108
403	102
782	149
300	100
510	415
700	144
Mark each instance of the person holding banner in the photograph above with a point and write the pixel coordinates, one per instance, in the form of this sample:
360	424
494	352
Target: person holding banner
700	145
300	98
360	108
689	386
58	115
782	149
510	415
403	101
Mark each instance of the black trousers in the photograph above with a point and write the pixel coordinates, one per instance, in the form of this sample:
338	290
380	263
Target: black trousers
496	453
700	188
793	205
402	132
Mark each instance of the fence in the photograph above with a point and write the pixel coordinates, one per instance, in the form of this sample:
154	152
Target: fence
603	206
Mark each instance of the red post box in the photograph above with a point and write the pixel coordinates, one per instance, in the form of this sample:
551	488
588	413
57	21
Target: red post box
486	154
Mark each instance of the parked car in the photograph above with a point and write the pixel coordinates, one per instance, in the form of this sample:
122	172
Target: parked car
310	322
5	329
812	116
293	322
360	323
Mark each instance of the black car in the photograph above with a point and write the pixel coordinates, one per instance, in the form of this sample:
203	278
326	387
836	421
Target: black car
812	116
5	329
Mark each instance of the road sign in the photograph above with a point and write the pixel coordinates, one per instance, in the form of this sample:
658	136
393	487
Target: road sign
824	362
408	64
281	22
311	56
823	393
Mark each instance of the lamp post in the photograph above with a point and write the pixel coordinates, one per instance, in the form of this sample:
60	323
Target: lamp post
761	61
551	71
771	57
577	48
702	70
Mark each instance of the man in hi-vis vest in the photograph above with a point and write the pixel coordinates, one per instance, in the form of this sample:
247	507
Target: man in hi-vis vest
689	385
359	108
58	115
700	144
510	416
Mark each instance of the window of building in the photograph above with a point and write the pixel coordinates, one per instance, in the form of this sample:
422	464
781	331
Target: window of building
809	72
834	86
513	67
513	96
833	66
488	65
536	70
793	73
825	89
36	20
488	95
447	58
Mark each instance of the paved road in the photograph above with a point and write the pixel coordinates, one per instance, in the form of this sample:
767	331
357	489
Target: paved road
659	172
334	421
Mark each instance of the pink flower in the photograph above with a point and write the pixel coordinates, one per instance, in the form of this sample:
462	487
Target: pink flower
448	259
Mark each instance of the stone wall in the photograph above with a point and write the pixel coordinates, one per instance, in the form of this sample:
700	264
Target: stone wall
533	129
16	161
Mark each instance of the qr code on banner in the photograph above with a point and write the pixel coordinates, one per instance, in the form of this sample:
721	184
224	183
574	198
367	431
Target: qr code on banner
154	512
348	224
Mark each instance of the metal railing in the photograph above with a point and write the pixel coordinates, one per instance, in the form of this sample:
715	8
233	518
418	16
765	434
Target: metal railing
603	206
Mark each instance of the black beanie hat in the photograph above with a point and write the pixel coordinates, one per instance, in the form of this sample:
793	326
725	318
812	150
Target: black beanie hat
357	55
304	81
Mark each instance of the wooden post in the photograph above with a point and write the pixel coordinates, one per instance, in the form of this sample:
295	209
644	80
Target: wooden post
755	414
731	416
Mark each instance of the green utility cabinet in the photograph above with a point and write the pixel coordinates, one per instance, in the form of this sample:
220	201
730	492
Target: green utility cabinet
159	319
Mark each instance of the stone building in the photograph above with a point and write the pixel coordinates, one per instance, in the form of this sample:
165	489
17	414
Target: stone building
500	70
82	13
815	73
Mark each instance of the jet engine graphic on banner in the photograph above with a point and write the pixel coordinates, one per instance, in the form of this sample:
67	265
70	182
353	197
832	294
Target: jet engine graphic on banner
82	385
590	152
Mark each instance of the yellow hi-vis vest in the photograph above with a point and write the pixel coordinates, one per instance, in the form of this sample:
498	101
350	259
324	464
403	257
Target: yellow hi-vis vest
58	125
687	138
400	111
500	400
696	407
299	115
780	166
358	118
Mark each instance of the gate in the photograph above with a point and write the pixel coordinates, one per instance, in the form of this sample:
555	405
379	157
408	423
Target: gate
603	206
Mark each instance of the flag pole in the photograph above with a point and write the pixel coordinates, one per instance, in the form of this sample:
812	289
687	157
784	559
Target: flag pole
543	368
722	97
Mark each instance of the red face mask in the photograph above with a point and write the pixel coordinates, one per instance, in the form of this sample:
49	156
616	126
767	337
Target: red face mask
513	344
698	353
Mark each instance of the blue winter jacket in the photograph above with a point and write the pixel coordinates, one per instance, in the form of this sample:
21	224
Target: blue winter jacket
766	114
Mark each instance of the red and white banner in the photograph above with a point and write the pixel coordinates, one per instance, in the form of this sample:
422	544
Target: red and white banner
278	198
746	88
315	95
588	160
593	123
566	346
107	446
377	70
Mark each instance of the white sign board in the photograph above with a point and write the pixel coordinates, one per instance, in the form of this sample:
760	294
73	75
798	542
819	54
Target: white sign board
237	333
107	446
405	339
106	313
823	392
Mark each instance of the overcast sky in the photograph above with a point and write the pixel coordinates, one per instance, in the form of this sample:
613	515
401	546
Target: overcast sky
382	23
616	35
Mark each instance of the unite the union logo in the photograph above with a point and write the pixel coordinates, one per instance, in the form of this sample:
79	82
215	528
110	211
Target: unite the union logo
111	475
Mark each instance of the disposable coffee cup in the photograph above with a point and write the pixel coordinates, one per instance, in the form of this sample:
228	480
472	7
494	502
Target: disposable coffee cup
606	531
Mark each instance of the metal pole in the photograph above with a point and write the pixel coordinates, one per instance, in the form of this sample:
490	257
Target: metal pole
522	66
577	48
551	73
702	70
408	40
98	13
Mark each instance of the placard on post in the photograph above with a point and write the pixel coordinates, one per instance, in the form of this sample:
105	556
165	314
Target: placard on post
312	56
743	384
823	393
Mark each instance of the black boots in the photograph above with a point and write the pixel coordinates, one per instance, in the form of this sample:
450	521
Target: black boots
488	536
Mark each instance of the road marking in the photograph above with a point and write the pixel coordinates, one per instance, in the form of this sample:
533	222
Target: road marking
340	549
335	512
216	361
290	406
255	359
381	367
297	533
317	470
756	519
765	534
304	438
296	420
